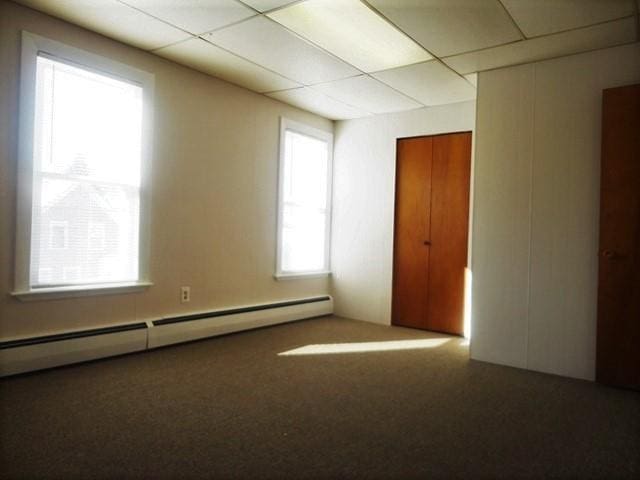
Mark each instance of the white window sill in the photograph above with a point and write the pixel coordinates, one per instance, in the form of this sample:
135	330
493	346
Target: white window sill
301	275
80	291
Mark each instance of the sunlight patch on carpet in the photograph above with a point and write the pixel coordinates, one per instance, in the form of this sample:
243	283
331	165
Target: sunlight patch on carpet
364	347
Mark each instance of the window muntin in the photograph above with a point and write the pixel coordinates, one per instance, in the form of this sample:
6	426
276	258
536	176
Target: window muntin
304	206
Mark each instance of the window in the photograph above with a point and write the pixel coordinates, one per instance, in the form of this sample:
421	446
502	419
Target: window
82	186
304	204
58	234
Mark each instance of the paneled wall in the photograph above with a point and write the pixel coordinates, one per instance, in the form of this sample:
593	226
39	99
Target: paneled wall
536	203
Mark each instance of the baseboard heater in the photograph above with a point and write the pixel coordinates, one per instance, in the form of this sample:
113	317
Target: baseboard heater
36	353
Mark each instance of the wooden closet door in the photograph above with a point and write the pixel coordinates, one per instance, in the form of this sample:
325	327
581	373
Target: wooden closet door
411	253
618	337
450	182
431	228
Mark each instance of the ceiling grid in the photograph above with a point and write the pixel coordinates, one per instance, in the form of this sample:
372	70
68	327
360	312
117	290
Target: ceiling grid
352	58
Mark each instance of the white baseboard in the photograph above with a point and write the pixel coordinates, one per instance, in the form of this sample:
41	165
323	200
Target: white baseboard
50	351
209	327
63	352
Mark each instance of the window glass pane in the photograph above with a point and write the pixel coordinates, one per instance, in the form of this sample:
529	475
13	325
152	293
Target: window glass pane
303	239
87	124
305	174
86	179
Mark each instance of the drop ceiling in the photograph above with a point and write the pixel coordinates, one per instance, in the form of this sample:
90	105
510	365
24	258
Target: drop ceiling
350	58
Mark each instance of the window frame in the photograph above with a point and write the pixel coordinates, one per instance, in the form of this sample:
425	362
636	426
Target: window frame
327	137
32	46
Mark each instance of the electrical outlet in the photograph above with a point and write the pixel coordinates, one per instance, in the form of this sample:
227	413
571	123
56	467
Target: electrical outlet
185	294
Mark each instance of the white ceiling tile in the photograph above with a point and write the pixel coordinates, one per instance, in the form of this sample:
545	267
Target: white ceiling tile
574	41
314	101
448	27
207	58
374	45
195	16
431	83
368	94
540	17
271	45
112	19
265	5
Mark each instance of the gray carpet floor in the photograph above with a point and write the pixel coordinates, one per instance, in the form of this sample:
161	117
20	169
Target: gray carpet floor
231	407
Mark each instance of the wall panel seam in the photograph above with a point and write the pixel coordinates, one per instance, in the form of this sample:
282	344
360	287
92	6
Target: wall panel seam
531	186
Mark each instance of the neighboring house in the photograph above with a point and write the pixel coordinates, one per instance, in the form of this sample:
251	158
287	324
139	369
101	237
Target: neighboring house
80	236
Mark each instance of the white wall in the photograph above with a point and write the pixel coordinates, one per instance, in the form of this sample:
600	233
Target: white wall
363	208
536	204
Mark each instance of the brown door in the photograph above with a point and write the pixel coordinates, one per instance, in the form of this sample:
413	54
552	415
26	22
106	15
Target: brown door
431	227
618	338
